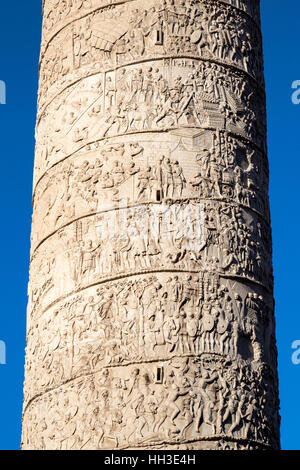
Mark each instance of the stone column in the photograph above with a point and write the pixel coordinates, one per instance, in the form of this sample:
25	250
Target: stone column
151	313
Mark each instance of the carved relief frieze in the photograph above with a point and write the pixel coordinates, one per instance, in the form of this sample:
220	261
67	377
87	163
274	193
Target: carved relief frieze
154	317
119	172
150	303
108	38
195	236
167	402
136	100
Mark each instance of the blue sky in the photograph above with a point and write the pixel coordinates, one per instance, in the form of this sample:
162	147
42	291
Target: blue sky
20	29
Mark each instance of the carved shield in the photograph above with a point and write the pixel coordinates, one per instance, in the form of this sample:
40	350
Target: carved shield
222	325
196	36
208	323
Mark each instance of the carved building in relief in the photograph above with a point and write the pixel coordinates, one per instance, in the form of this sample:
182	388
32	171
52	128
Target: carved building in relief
151	313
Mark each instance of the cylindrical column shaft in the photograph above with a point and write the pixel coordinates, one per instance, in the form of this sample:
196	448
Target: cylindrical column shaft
151	312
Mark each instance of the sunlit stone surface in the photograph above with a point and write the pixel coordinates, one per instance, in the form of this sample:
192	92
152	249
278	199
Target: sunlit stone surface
151	313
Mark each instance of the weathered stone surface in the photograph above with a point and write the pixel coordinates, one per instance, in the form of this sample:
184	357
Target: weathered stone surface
151	313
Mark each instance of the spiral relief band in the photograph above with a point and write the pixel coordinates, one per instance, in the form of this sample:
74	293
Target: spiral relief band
151	314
